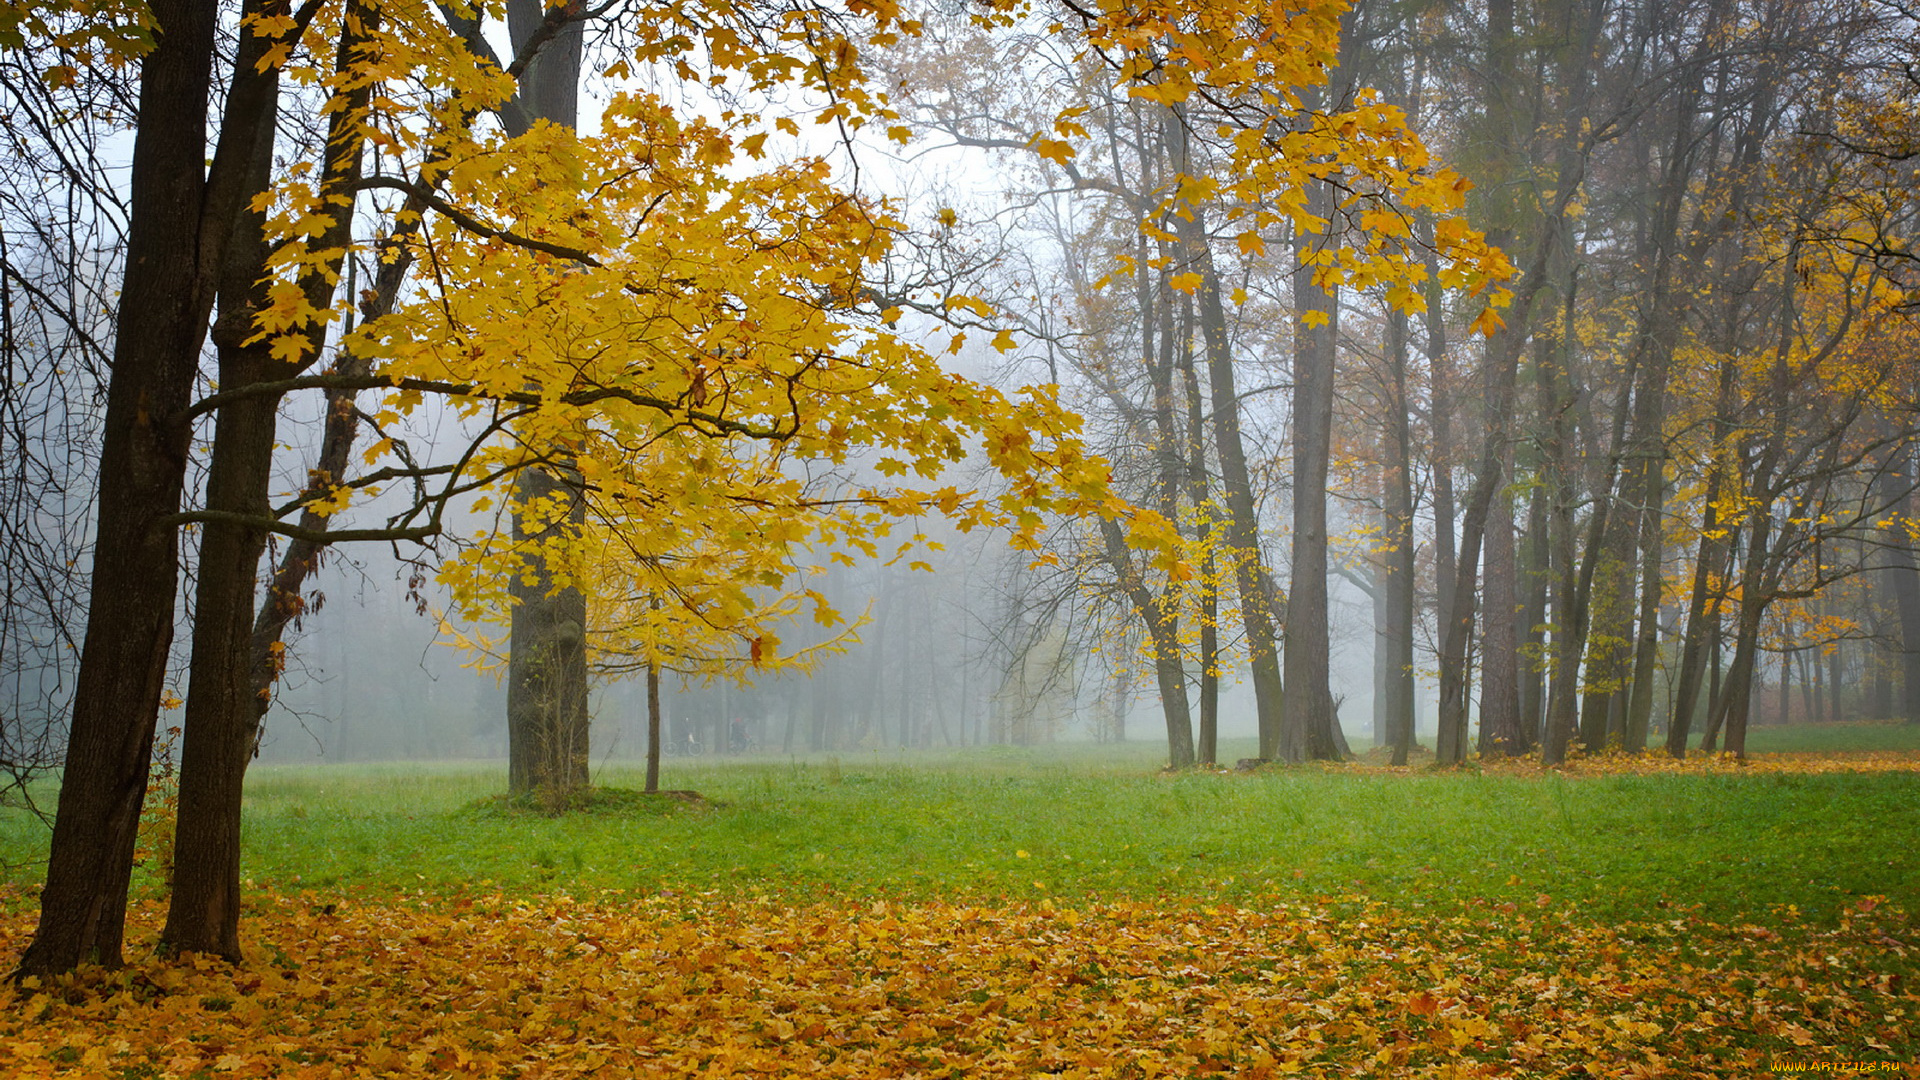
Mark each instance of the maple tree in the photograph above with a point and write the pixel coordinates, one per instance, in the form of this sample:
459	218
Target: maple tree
760	356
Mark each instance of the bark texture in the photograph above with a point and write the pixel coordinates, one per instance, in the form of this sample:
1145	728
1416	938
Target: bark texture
547	722
166	294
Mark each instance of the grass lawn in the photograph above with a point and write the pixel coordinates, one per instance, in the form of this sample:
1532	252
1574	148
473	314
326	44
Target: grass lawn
1066	824
1861	736
1096	822
1067	910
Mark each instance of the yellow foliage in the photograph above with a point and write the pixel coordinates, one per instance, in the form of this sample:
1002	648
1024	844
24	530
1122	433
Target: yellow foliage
707	363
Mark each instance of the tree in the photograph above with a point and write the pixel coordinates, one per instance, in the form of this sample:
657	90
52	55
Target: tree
178	224
1245	143
179	251
547	736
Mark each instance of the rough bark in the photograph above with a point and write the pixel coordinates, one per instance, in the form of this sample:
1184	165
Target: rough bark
547	732
1306	732
224	706
1500	728
165	297
1200	496
547	721
1243	523
1397	638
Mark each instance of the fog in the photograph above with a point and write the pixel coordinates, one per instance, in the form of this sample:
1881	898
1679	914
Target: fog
980	651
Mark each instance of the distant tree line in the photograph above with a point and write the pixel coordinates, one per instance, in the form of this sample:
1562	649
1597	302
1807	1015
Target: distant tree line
1681	467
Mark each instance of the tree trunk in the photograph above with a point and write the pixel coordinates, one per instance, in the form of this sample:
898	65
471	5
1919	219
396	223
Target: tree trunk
1172	474
1737	703
1536	554
1715	695
221	718
1168	667
1632	705
1500	376
225	703
1307	722
1882	690
1646	657
1535	577
1737	698
1445	504
1243	523
547	670
1610	623
1399	586
1502	358
1381	569
1501	734
1502	114
165	296
653	726
1835	669
1556	393
547	721
1199	495
1703	603
1813	690
1786	686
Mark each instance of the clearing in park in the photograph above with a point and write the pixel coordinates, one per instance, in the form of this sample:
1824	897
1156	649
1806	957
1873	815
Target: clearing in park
1063	911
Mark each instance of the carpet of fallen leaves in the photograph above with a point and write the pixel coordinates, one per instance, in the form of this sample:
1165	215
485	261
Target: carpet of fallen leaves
693	985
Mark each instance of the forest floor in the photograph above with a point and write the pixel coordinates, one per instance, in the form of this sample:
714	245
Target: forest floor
1013	912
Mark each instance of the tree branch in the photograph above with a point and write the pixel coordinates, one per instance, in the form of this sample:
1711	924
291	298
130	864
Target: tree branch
331	381
296	532
470	223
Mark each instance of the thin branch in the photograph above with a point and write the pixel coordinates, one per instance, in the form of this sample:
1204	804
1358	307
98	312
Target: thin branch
296	532
470	223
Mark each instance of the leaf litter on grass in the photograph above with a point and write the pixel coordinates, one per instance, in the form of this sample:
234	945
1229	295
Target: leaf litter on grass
708	985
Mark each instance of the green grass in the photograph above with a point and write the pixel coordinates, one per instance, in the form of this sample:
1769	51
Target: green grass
1858	736
1095	822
